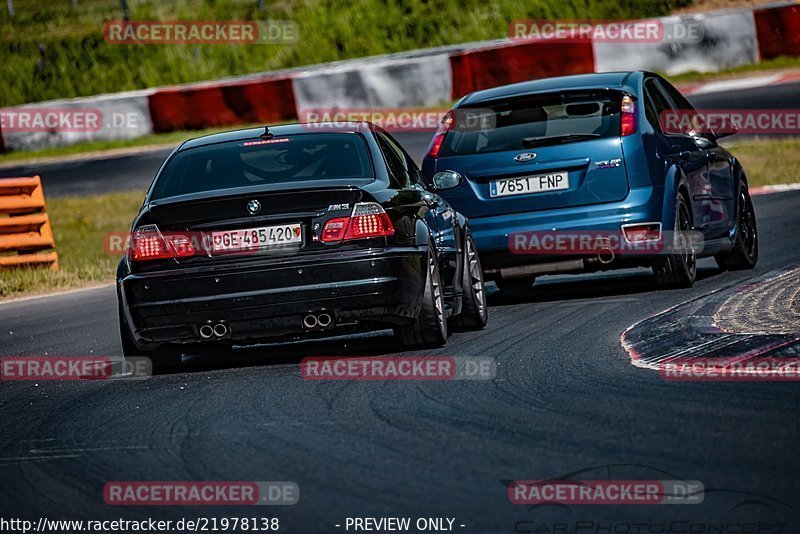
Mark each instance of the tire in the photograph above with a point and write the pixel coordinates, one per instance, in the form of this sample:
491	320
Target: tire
164	358
430	326
515	286
744	254
474	313
679	270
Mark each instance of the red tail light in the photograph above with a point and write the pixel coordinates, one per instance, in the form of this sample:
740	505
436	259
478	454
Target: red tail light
148	243
635	233
367	220
628	124
438	138
334	230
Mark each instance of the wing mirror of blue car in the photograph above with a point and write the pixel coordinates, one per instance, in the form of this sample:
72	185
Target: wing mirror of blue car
702	142
728	129
446	180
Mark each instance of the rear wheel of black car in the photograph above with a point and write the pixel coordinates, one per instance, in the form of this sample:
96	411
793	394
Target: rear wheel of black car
679	269
474	313
430	327
515	286
163	358
744	254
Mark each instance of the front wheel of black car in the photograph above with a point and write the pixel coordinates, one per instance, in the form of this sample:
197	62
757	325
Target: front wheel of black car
162	359
744	254
474	313
679	269
430	327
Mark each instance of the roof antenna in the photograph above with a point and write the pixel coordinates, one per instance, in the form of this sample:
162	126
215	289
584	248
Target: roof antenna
267	134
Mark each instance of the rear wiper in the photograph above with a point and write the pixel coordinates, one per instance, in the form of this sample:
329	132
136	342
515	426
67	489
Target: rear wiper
530	142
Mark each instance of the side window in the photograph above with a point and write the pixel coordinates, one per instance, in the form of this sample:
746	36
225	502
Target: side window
692	122
679	101
655	104
395	160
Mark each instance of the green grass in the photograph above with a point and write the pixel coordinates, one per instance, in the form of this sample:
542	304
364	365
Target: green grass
76	61
782	62
769	162
80	226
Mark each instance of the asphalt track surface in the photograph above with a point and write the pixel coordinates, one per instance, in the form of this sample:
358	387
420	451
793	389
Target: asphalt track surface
565	400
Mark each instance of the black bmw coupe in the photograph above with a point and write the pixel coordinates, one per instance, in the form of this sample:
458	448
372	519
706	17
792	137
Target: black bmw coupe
296	230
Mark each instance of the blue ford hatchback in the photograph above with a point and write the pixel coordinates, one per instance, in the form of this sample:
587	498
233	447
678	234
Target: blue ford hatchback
579	173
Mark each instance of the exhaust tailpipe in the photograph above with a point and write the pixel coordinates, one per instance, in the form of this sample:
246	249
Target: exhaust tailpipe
324	320
605	256
220	329
206	331
310	321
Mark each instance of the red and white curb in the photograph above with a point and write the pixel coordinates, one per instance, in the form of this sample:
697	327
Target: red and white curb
777	188
738	84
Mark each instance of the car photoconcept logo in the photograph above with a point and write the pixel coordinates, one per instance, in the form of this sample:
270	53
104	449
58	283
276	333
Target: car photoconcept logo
525	156
254	206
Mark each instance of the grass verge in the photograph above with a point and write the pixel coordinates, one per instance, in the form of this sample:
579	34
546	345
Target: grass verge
769	161
769	66
80	224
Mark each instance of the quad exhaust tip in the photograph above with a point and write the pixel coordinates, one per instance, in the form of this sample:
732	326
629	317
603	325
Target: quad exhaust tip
317	320
213	330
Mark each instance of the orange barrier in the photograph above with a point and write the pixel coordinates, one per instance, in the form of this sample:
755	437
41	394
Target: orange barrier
24	225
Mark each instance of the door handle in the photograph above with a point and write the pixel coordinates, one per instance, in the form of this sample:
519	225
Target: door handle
712	156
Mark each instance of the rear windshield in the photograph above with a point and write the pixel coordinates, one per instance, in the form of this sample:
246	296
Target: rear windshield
257	161
536	118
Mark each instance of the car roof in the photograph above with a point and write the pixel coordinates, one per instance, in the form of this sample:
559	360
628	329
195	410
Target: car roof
624	81
283	129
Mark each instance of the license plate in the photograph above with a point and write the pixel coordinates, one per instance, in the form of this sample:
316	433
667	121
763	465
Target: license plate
256	238
524	185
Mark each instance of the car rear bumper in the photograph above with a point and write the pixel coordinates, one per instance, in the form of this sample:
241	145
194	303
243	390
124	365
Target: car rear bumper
494	235
269	300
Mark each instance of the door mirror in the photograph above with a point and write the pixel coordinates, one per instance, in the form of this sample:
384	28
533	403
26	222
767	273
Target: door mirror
702	142
446	180
731	128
